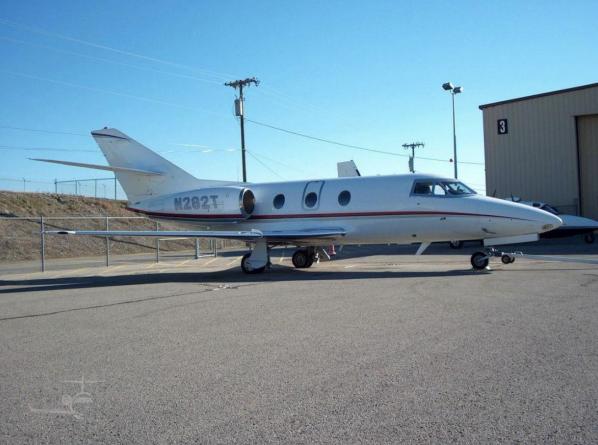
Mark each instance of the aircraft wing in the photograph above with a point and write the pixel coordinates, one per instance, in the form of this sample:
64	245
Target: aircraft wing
329	234
248	235
241	235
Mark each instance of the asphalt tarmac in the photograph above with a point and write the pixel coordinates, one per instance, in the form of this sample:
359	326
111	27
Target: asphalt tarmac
373	347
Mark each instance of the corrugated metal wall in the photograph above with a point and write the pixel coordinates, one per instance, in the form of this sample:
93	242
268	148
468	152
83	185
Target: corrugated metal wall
537	158
587	137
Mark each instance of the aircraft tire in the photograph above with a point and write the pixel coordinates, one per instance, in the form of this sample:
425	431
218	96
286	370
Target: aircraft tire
301	259
479	261
245	267
507	259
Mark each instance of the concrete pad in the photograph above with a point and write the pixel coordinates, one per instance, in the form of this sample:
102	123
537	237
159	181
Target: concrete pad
372	348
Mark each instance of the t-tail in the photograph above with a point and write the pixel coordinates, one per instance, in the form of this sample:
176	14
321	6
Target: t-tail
141	172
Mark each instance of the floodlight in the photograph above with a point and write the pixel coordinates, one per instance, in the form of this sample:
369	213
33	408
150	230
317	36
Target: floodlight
457	90
447	86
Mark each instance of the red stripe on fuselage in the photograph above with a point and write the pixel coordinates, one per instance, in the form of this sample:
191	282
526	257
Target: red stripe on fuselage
317	215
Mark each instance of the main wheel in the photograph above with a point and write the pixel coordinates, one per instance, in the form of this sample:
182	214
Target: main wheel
479	261
455	244
589	238
247	268
301	259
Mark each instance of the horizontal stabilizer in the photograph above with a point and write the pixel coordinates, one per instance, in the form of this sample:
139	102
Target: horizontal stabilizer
101	167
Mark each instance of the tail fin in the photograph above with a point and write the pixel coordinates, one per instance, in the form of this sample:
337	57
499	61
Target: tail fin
129	155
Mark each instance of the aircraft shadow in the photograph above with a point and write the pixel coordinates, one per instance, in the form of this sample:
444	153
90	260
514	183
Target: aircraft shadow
229	276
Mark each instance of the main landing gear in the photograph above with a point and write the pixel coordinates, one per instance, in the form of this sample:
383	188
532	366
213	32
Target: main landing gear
257	260
305	257
480	260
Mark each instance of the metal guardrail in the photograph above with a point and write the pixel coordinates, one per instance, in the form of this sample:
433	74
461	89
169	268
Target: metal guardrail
43	220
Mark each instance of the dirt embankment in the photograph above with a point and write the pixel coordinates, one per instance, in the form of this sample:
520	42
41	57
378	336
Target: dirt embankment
20	238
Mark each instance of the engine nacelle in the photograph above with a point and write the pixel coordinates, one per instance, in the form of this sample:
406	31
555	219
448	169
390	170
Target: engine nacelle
228	203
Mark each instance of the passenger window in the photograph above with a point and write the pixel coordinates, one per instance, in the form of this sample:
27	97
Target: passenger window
344	197
278	201
311	199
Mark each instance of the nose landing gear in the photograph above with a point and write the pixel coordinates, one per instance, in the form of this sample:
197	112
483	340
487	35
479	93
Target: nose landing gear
480	260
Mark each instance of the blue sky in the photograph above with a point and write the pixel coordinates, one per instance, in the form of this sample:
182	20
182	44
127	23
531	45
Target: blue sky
362	73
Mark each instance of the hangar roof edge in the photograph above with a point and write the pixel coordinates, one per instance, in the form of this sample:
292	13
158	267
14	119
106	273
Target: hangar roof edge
535	96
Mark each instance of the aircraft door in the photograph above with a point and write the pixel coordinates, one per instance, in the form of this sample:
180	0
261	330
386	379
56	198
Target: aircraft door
312	195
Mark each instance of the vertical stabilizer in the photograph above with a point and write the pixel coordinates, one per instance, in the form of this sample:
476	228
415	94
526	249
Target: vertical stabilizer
126	153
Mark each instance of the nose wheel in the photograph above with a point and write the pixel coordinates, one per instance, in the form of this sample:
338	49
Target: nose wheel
480	260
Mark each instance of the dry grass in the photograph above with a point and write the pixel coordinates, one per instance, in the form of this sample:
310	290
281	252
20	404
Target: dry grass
20	239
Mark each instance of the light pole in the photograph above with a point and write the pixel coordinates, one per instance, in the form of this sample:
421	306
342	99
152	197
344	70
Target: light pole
454	90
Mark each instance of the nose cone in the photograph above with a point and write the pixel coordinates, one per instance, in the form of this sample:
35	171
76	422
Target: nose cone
548	221
545	221
516	219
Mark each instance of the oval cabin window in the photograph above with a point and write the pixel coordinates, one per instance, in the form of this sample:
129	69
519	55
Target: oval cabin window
278	201
311	199
344	197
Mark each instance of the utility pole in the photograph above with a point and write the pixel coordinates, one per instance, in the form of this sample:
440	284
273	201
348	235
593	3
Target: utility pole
239	111
412	146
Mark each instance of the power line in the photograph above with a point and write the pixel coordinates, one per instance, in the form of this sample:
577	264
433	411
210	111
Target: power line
277	162
36	130
115	93
112	49
342	144
264	165
13	147
102	59
161	102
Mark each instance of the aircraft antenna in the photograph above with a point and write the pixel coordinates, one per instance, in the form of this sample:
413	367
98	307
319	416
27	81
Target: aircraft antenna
239	111
412	146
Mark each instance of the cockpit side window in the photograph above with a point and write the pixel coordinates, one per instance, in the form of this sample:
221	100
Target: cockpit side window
423	188
441	188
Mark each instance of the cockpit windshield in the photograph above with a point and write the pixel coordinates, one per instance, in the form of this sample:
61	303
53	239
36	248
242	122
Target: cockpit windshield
550	209
433	187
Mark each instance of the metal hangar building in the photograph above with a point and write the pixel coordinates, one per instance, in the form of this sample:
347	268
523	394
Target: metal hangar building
545	148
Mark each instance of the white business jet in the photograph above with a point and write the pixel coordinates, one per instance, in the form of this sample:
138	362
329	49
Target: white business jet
401	209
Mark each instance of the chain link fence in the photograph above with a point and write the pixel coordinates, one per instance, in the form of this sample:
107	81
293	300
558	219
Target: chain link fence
108	188
24	239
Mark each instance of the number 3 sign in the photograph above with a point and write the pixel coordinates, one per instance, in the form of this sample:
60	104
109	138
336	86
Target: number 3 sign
502	126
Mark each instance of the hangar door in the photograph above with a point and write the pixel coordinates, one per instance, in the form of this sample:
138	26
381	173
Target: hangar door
587	138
